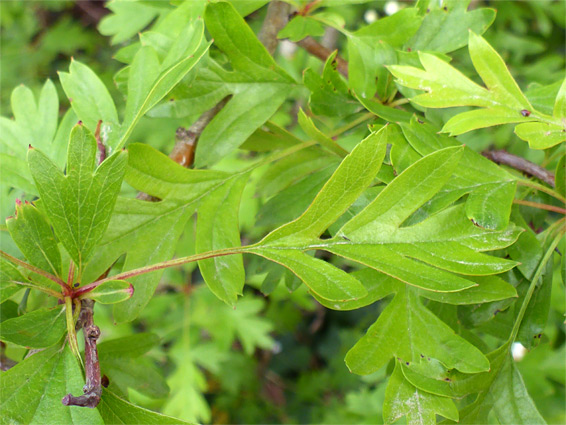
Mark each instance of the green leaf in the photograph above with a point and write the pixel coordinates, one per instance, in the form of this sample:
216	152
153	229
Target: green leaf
512	403
324	280
115	410
560	176
149	80
329	94
491	189
38	329
541	135
445	29
372	47
495	74
31	391
265	85
408	331
34	237
127	19
560	102
300	27
8	275
420	407
111	292
79	204
351	178
91	101
122	360
403	196
315	134
217	228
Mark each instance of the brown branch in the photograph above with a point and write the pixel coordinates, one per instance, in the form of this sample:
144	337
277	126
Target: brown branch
93	387
5	362
540	206
99	144
276	18
316	49
521	164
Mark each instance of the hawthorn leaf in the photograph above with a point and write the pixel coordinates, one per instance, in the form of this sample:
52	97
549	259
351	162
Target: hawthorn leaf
116	410
491	189
158	224
15	173
38	329
122	360
315	134
408	330
300	27
217	228
445	29
349	180
541	135
329	94
560	102
495	74
127	19
416	185
323	280
536	315
379	285
528	249
80	203
31	391
265	85
512	402
482	118
420	407
111	292
33	235
91	101
149	80
560	176
9	274
372	47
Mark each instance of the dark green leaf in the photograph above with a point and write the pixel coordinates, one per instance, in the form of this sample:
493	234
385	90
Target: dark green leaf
38	329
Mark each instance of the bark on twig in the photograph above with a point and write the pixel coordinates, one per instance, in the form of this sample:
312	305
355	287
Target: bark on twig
5	362
93	387
316	49
99	144
521	164
276	18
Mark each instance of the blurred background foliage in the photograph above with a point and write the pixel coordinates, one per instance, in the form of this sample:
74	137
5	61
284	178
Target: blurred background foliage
277	358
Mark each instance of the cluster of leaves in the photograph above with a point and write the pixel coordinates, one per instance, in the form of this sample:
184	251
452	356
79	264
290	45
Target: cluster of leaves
364	208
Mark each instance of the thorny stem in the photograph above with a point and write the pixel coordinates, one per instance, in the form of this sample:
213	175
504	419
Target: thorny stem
93	387
521	164
540	206
532	286
58	281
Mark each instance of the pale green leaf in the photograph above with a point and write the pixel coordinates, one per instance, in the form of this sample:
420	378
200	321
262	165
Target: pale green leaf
300	27
111	292
541	135
127	19
481	118
495	74
560	176
91	101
